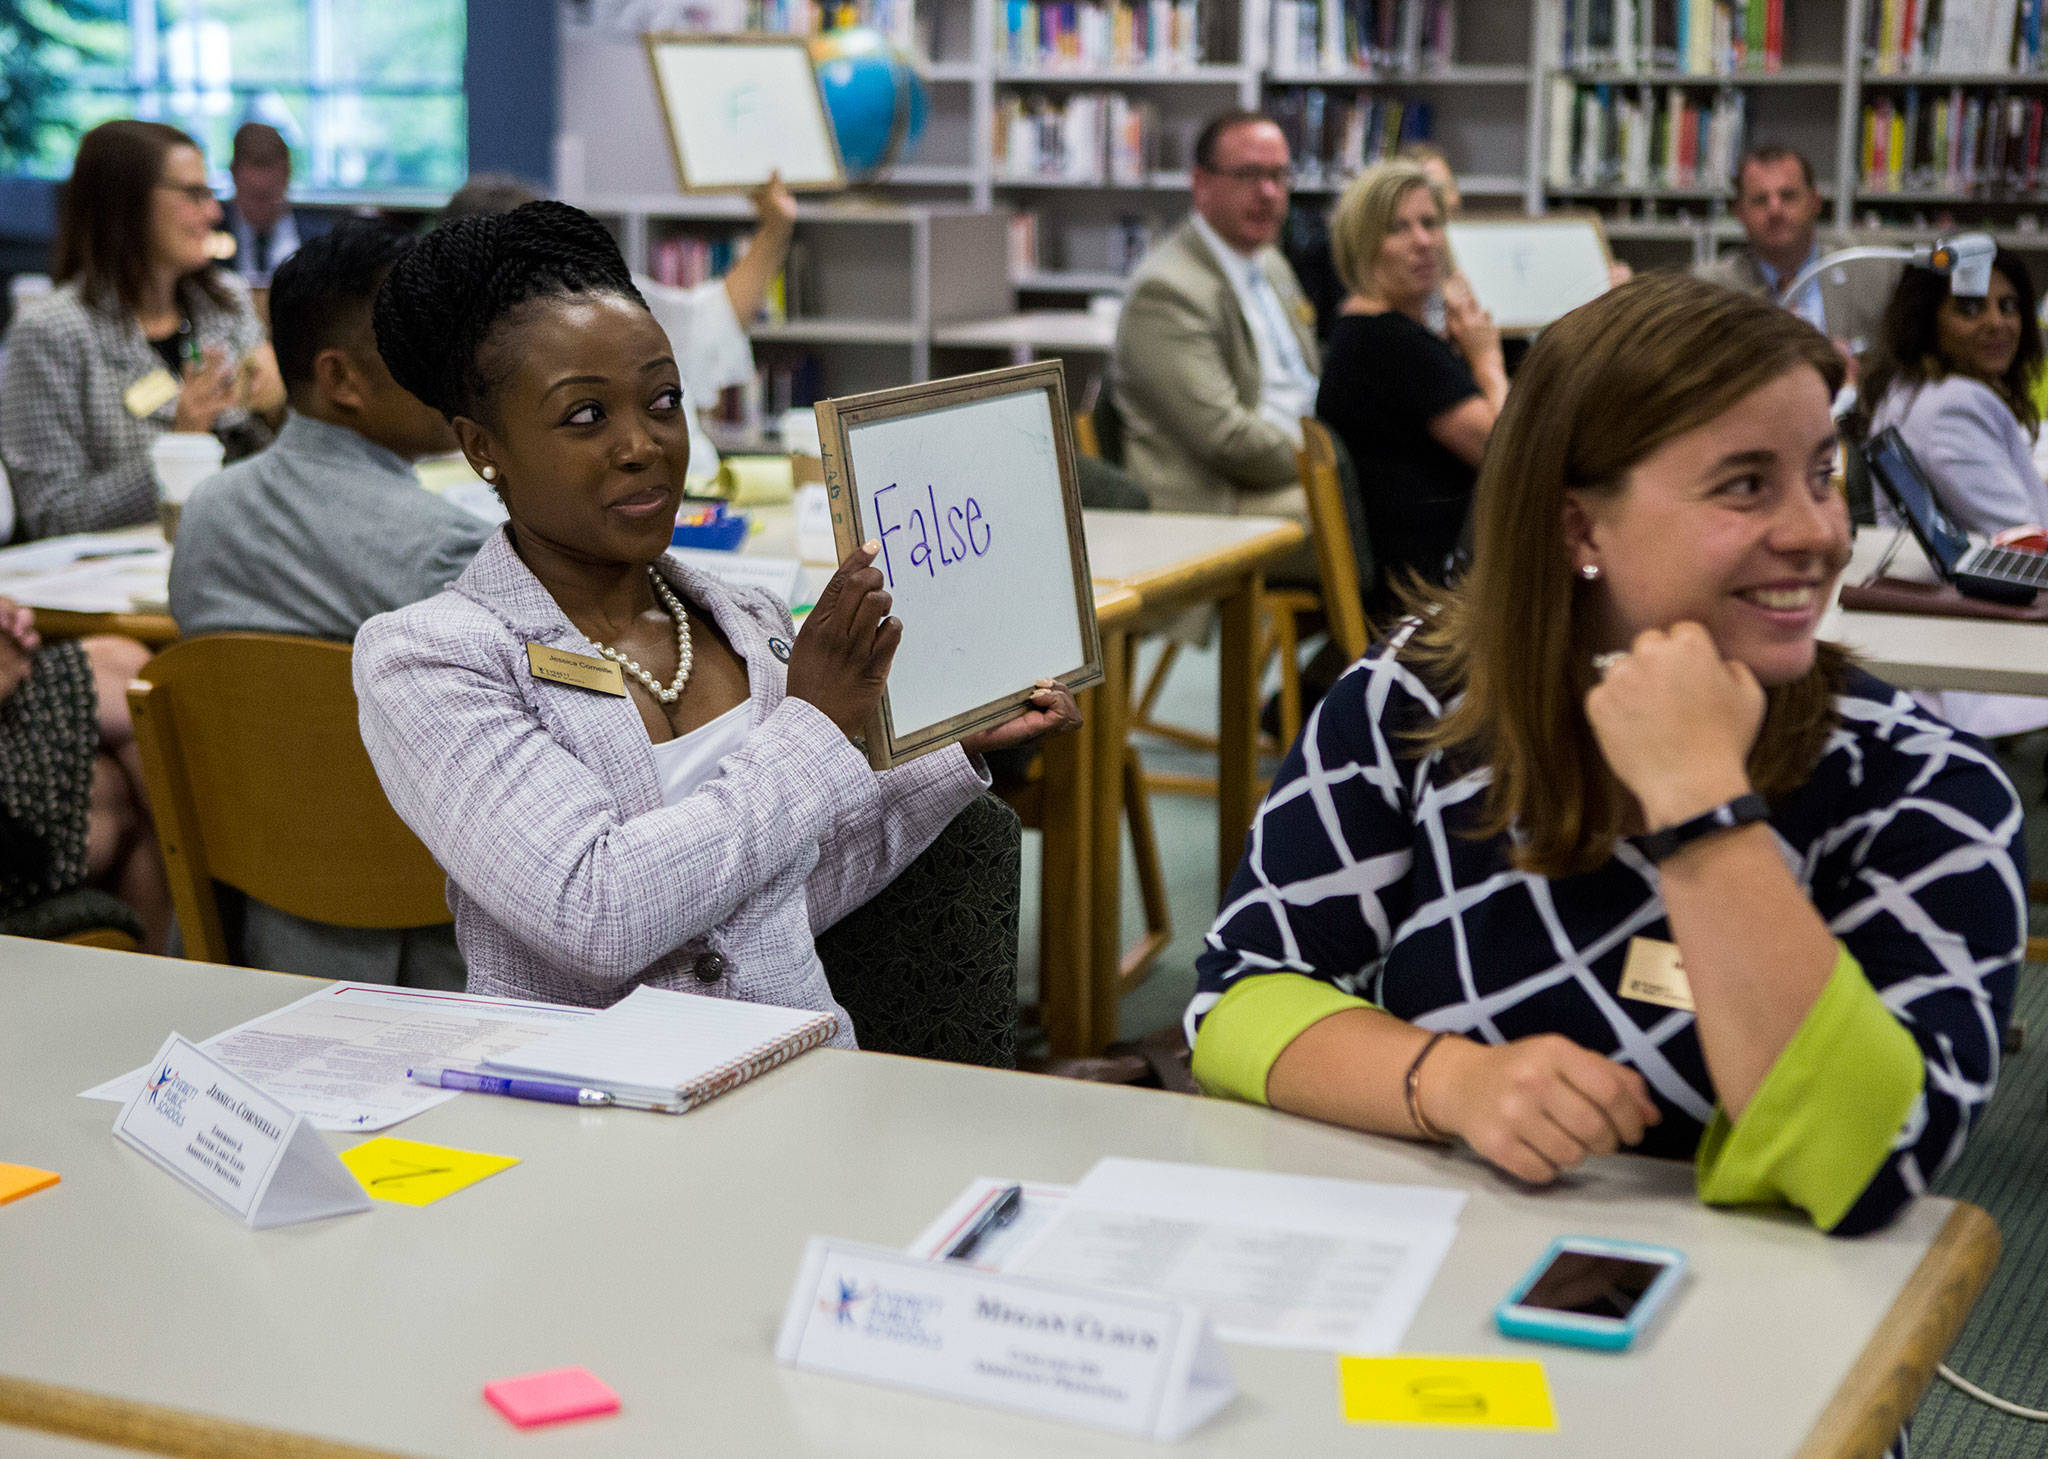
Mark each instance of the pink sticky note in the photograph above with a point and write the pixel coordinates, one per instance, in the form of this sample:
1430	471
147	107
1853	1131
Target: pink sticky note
546	1398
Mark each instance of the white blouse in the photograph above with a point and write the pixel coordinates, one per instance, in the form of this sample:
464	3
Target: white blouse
688	761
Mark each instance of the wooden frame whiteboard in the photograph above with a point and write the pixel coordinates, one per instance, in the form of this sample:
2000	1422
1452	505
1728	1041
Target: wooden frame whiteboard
1530	272
738	107
993	450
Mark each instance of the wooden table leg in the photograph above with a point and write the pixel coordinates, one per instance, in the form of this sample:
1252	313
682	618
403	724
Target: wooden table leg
1107	732
1066	836
1237	727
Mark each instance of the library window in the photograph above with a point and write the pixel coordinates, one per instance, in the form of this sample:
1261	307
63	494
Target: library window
368	95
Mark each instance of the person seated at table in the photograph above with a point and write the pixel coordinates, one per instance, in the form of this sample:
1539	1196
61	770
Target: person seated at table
1616	750
1956	377
694	831
72	809
1414	411
323	530
143	335
706	323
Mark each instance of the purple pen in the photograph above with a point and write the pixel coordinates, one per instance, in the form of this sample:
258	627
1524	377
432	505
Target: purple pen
471	1082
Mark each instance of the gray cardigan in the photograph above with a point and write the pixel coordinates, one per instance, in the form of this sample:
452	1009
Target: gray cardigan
1968	440
569	878
77	459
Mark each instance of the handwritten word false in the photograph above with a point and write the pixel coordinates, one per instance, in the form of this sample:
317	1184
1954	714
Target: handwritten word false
928	532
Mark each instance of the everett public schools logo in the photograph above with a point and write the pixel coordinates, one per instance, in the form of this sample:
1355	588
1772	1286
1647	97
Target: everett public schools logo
169	1093
845	1308
890	1314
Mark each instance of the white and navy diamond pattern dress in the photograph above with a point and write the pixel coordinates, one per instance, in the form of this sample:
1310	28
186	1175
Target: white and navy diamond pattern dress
1359	871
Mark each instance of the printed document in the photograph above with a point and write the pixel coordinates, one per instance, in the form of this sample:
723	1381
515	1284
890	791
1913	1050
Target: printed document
338	1056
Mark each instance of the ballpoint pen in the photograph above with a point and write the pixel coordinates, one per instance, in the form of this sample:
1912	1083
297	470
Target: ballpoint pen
995	1218
471	1082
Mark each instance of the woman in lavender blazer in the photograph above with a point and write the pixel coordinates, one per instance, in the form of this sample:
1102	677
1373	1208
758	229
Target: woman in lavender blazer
695	832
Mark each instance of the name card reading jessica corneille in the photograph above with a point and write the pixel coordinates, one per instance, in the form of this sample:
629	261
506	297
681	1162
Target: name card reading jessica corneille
1133	1364
968	484
248	1153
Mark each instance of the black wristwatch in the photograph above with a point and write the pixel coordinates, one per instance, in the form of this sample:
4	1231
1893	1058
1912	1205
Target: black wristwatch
1741	811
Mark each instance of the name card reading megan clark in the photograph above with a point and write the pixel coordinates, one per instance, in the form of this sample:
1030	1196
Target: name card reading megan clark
249	1154
968	484
1136	1365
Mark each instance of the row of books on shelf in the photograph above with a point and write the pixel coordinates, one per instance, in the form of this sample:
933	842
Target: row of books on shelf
1904	36
1090	136
1079	247
1700	37
684	262
1363	35
893	18
1612	136
1053	35
1984	144
1334	137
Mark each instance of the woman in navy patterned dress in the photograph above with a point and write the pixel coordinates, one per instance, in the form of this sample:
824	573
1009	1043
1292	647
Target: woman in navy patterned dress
1605	850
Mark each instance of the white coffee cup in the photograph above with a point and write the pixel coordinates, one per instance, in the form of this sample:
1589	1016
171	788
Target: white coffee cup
182	460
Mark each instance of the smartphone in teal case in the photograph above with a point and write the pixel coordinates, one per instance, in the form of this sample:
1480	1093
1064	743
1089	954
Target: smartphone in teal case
1589	1292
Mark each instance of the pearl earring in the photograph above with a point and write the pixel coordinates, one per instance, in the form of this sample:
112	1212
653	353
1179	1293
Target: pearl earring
490	473
1590	572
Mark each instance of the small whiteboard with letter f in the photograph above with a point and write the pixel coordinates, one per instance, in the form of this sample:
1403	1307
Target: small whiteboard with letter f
969	486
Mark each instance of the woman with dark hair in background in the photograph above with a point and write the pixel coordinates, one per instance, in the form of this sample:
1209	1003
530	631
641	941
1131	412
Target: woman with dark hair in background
1956	376
142	335
695	829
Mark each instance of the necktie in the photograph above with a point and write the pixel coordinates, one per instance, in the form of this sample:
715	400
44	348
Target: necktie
262	252
1273	322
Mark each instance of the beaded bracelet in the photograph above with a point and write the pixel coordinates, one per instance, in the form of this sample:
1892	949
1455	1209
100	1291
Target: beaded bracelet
1412	1086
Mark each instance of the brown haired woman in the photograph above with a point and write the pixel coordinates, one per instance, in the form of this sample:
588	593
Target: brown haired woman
143	335
1605	849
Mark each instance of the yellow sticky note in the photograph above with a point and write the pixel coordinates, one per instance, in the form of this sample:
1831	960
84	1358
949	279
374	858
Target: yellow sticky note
17	1181
413	1174
1454	1392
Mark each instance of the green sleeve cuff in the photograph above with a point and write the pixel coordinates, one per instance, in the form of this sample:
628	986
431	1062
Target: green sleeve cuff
1824	1120
1243	1036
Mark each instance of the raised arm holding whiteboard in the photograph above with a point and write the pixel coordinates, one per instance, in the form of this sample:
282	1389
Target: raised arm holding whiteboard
968	485
742	107
1529	272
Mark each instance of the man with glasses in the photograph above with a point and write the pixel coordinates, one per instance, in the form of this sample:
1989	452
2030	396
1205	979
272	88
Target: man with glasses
266	228
1215	359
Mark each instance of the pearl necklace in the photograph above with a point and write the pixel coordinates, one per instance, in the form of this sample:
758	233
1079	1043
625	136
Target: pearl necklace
672	691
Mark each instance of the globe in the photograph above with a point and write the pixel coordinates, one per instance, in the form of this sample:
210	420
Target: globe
875	96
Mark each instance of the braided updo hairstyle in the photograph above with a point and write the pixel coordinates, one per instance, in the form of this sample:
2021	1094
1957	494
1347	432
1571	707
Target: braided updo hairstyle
441	303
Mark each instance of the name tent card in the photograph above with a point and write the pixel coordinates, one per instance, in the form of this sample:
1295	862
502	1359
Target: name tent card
247	1153
1134	1365
969	487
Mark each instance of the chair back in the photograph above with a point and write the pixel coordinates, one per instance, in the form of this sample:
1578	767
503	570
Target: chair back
259	779
1332	531
928	967
1109	426
1085	440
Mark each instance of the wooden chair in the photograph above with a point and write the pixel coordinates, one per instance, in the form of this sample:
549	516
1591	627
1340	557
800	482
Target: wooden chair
259	780
2037	947
1338	603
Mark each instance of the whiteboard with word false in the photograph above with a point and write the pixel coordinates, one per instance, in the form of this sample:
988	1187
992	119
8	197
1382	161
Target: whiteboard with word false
968	485
1530	272
742	107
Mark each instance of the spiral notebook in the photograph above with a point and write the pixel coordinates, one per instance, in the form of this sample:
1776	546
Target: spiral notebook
669	1051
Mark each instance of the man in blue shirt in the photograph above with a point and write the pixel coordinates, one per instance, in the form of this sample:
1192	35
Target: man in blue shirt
323	530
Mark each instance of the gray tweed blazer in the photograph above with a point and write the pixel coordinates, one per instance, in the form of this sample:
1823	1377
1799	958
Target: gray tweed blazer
77	459
569	879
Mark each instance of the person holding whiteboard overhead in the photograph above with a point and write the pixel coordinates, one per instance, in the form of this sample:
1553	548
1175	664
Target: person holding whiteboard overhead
1414	412
631	771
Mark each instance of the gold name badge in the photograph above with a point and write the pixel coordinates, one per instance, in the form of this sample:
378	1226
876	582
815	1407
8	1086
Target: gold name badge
1653	974
577	670
151	393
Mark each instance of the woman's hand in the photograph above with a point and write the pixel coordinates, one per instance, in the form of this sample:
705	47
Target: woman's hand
208	390
841	659
1675	722
259	388
1535	1107
1471	328
18	644
774	207
1052	712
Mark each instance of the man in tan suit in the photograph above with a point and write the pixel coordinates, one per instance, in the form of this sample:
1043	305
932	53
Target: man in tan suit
1779	209
1215	353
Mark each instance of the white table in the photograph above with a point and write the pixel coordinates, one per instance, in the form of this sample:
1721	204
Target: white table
1922	651
659	1251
